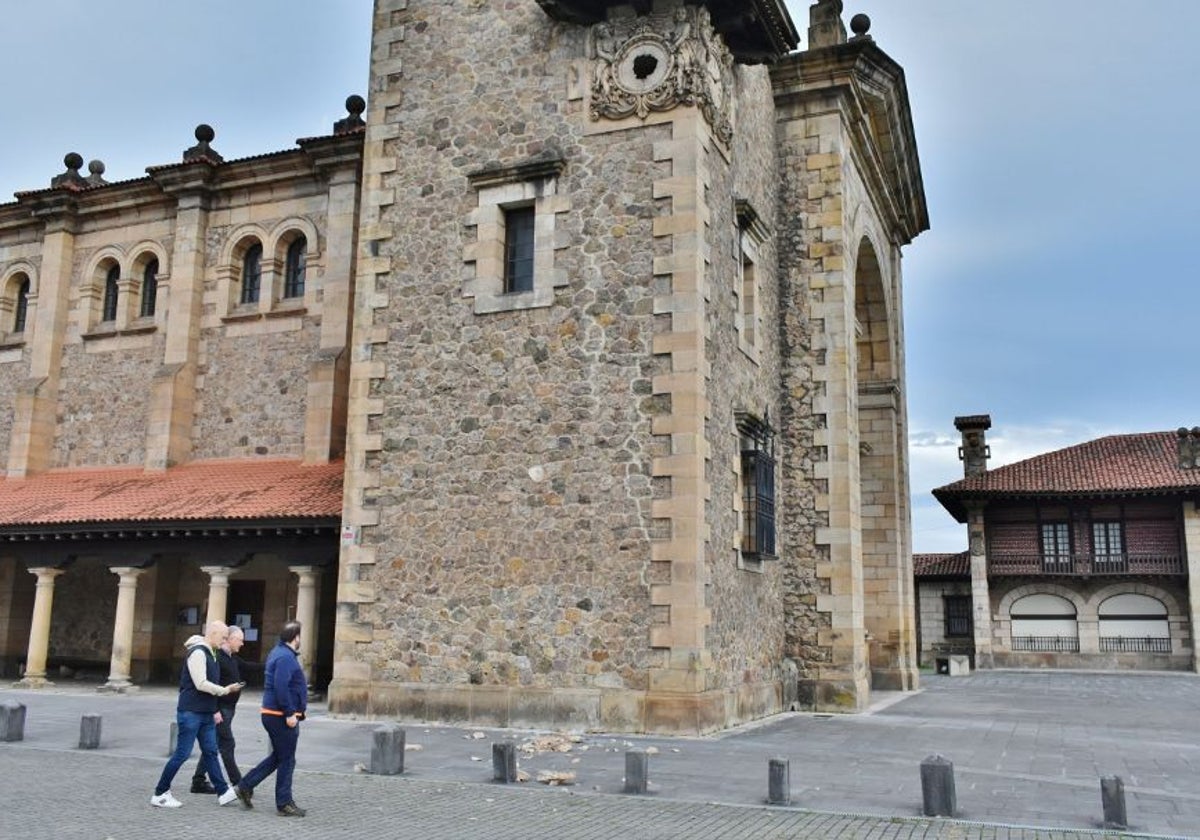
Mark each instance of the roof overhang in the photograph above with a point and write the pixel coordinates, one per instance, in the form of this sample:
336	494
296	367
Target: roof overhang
756	31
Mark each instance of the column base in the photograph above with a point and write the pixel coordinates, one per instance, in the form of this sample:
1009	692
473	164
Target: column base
32	682
121	686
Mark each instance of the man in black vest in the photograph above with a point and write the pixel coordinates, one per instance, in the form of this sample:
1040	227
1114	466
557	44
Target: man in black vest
232	667
195	715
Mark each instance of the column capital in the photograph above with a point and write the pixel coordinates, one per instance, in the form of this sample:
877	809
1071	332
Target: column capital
218	574
46	573
303	572
127	572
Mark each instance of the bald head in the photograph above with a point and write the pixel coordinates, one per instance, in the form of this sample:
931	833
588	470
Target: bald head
215	633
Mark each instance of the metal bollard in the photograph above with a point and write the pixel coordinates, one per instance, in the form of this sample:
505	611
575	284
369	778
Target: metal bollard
12	722
636	771
1112	797
504	762
387	750
172	738
937	786
89	732
779	782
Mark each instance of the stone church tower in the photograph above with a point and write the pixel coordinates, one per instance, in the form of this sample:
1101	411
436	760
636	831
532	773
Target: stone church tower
626	425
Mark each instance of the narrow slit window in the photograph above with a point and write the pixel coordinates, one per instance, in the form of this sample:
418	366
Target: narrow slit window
108	311
252	273
149	289
22	309
295	268
518	250
758	488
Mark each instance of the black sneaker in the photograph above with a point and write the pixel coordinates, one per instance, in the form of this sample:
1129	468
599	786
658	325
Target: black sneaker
244	796
202	786
291	810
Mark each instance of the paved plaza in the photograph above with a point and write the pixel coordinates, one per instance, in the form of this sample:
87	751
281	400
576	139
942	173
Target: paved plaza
1028	750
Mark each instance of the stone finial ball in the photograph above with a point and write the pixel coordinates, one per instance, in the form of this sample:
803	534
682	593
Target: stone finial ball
73	160
96	167
355	104
860	24
205	133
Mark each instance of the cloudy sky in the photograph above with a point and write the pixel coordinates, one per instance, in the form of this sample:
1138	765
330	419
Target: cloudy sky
1056	143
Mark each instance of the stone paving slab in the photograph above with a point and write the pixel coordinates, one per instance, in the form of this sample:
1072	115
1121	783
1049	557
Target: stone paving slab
1028	749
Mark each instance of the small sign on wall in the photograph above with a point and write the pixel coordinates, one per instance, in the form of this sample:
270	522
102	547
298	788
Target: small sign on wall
188	616
349	535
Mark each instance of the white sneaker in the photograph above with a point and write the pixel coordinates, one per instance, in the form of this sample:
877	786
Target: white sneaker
228	796
165	801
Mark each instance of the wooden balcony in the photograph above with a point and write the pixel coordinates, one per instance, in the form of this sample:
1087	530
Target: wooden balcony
1086	565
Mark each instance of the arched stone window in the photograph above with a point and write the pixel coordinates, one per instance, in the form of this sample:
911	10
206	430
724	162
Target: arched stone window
21	309
108	312
295	268
252	273
1044	622
1131	623
149	288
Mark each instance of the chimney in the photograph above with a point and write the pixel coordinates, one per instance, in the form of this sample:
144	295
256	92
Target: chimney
974	451
1189	448
825	24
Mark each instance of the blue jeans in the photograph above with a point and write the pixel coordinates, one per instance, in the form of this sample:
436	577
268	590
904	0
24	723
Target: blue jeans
193	726
281	761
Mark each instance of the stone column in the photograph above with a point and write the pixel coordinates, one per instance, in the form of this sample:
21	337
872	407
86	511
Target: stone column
39	630
306	612
218	591
981	603
122	645
1191	548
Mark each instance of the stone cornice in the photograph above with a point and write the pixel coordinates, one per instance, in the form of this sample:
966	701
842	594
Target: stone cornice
870	88
756	31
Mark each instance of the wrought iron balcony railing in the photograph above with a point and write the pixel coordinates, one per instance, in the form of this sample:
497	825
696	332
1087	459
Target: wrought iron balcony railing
1086	564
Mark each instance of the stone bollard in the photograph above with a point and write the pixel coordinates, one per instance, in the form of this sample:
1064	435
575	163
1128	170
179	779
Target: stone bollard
89	732
937	786
779	782
387	750
172	738
1112	797
12	722
504	762
636	771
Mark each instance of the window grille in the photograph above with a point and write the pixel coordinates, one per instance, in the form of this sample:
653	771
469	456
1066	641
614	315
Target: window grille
518	250
22	307
758	488
108	311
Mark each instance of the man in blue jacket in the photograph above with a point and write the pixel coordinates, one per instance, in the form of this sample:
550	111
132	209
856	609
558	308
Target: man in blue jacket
285	699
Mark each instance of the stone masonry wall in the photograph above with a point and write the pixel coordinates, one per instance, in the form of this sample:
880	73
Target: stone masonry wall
514	449
747	631
85	632
102	403
253	393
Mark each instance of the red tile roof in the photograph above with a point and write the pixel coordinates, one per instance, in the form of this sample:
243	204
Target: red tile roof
942	565
199	491
1139	464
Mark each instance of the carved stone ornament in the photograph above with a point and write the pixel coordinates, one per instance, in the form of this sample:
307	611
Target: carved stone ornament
657	62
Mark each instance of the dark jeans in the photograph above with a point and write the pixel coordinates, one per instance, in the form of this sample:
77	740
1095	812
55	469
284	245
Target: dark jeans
281	761
193	726
225	745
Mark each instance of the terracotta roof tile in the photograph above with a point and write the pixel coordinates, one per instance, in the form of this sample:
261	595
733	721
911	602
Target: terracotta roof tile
1116	465
202	490
942	565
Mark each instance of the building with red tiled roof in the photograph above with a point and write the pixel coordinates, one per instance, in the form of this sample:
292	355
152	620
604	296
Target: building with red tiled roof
1081	557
